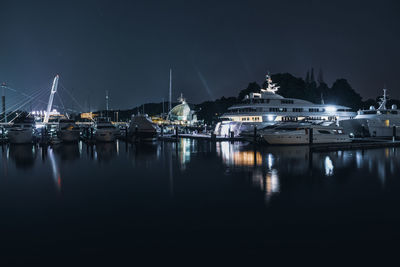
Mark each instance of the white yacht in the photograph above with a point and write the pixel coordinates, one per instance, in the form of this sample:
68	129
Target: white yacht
105	131
268	108
22	131
375	122
68	131
301	134
142	128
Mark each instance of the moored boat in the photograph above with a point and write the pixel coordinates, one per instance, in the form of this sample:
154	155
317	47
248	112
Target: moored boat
305	134
269	108
22	131
105	131
373	122
142	128
68	131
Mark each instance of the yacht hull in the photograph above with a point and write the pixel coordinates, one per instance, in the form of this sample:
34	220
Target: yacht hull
145	136
303	139
370	127
20	136
69	136
105	136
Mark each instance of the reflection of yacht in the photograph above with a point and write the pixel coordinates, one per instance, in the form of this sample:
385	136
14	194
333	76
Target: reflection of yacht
374	122
298	134
106	151
267	108
68	131
21	132
105	131
67	151
23	154
142	128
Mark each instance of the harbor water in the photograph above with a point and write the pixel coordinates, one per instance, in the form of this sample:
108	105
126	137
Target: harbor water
196	199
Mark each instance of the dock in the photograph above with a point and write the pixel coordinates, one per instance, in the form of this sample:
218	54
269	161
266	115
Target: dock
356	144
208	137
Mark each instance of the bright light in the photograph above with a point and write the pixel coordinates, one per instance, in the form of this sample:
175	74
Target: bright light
328	166
330	109
270	160
270	117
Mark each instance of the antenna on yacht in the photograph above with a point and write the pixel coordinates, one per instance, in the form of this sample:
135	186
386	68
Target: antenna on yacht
163	106
107	100
322	99
181	99
382	103
271	87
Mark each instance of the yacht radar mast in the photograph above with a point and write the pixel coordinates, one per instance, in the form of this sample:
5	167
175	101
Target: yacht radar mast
181	99
382	103
272	87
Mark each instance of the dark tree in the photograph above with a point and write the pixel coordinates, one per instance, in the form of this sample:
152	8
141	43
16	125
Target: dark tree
320	77
312	75
210	111
307	77
290	86
251	88
342	93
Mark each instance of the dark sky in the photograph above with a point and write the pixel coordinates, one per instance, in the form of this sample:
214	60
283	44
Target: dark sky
214	47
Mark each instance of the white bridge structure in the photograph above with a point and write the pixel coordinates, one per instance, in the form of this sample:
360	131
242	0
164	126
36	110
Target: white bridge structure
20	101
51	98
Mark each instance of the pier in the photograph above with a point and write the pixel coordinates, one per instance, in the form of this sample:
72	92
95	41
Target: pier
356	144
212	137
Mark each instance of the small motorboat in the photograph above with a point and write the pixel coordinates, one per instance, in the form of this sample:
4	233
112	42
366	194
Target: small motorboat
68	131
22	131
105	131
301	134
142	128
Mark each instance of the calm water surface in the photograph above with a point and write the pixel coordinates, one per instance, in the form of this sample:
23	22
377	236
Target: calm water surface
114	202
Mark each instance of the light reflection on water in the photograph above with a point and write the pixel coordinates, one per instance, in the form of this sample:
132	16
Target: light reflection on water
265	165
108	196
269	163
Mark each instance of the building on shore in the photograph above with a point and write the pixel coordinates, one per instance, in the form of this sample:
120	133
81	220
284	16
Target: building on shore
182	113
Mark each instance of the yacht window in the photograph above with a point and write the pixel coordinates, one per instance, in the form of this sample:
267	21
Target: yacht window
106	127
324	131
297	109
286	101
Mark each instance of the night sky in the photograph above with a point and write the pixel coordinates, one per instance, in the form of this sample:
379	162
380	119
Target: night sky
215	48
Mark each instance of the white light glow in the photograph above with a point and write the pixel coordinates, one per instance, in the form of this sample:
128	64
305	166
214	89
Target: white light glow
330	109
328	166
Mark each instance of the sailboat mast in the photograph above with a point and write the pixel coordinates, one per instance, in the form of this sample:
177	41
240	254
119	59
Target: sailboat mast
170	90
